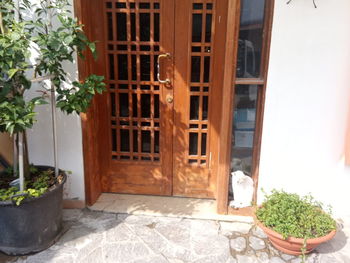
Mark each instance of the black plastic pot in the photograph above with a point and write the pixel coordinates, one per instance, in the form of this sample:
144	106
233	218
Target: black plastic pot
34	225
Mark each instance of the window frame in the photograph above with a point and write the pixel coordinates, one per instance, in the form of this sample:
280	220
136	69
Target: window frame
230	82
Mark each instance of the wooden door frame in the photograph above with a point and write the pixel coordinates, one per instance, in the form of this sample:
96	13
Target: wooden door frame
231	48
228	22
92	178
92	164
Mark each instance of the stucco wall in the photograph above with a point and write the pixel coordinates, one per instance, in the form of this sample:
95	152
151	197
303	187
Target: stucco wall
69	137
308	102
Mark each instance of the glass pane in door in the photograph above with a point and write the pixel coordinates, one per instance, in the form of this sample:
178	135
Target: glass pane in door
133	41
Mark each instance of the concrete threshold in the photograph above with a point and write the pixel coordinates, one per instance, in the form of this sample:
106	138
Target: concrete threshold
163	206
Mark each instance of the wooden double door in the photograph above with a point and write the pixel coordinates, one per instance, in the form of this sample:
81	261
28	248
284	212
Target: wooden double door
157	127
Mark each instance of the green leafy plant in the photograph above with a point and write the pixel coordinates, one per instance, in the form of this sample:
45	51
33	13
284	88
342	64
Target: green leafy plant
38	46
12	194
295	216
38	182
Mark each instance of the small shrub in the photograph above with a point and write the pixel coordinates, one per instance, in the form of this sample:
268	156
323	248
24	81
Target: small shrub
295	216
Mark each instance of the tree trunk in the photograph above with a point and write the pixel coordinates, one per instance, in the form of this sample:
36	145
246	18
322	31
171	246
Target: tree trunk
26	164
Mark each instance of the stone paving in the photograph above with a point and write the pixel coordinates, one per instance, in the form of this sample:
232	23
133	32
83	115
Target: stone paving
95	237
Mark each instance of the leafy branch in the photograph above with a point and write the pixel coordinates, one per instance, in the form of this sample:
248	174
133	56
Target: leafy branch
56	37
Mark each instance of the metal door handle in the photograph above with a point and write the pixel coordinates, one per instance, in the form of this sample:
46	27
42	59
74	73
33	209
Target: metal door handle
162	81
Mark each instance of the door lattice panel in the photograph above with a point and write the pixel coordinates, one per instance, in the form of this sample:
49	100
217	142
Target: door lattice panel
200	81
132	47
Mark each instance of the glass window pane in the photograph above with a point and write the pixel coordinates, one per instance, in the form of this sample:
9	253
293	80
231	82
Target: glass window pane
124	141
208	28
156	141
121	26
145	26
195	69
146	141
145	68
243	130
156	27
145	105
114	140
194	108
193	147
133	26
110	25
111	66
196	27
135	141
134	105
123	104
112	104
122	67
250	39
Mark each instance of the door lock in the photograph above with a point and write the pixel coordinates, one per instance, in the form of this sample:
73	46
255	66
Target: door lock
169	99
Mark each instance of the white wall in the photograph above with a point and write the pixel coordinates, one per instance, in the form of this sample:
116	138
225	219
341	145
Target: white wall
70	153
308	102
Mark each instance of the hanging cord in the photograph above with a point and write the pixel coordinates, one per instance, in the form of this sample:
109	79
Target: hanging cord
313	1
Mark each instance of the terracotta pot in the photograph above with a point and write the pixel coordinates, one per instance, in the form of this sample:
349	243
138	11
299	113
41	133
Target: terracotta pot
293	245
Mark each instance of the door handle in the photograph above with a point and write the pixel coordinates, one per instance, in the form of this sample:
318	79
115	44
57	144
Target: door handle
162	81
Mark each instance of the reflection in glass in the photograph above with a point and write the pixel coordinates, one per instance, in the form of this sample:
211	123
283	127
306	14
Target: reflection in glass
250	38
243	129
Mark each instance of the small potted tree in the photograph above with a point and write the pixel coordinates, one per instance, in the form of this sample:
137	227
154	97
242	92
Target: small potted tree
295	225
31	205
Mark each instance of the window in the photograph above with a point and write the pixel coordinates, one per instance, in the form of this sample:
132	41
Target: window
249	84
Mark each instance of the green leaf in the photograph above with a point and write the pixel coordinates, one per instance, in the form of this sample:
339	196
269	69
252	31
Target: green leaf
12	72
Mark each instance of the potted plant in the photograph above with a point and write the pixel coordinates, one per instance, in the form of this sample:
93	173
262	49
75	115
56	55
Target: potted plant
295	225
32	54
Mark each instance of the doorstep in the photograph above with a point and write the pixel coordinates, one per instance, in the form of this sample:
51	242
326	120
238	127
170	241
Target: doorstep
163	206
